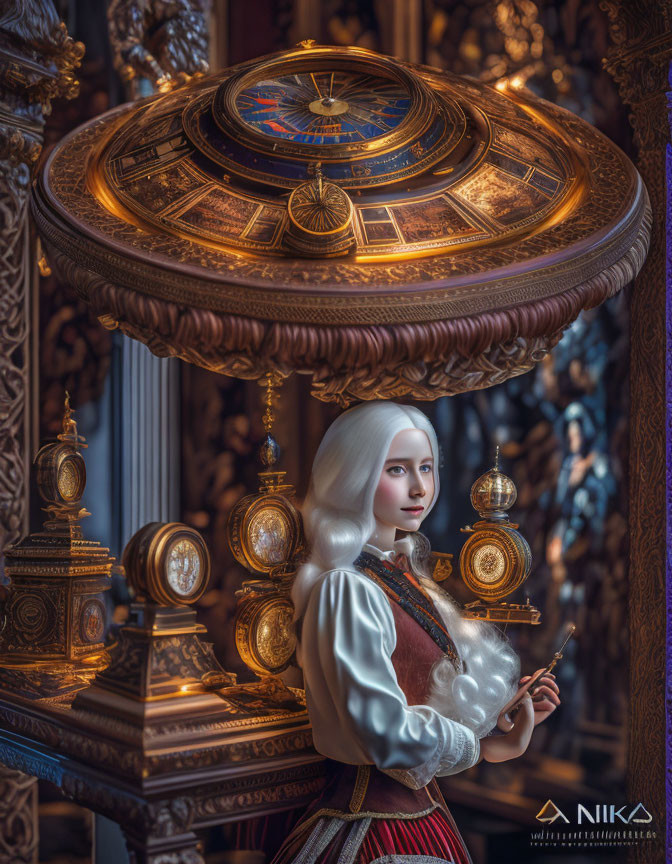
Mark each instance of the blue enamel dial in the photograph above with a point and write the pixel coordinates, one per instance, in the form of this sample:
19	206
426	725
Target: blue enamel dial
324	108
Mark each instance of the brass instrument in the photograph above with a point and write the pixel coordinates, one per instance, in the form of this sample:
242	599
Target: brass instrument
495	559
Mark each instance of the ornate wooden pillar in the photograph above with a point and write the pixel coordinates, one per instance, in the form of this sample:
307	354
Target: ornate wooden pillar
37	58
641	31
36	61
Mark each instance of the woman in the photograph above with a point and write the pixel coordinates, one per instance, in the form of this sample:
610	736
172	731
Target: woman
399	687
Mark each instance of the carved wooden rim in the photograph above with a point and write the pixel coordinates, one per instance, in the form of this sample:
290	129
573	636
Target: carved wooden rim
424	360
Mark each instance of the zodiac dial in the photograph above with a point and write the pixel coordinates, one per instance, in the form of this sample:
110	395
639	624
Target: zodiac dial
324	108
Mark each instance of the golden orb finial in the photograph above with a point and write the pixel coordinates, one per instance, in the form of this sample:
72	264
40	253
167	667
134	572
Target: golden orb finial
493	493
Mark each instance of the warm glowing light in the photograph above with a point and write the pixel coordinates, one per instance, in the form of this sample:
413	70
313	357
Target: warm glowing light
502	84
517	82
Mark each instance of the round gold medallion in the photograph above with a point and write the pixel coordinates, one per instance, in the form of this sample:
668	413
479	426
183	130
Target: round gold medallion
264	531
183	566
489	563
70	480
167	563
494	561
265	635
61	474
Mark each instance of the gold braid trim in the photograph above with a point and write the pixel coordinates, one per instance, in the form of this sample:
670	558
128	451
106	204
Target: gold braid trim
361	785
365	814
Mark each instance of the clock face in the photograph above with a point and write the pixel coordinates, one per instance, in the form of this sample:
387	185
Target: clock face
489	563
70	477
69	480
184	570
275	639
324	108
269	536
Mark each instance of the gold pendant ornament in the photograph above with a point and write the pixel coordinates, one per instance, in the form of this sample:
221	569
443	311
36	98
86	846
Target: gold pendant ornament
265	534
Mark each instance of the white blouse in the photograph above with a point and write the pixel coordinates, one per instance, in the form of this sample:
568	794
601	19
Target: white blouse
358	712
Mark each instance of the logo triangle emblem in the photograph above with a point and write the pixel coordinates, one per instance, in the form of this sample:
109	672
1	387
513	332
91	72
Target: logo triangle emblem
550	812
640	814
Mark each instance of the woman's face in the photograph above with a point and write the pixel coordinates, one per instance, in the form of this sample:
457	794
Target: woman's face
574	437
406	486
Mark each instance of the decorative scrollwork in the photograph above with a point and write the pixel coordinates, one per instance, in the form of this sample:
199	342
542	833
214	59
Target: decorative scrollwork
164	42
18	823
34	616
388	368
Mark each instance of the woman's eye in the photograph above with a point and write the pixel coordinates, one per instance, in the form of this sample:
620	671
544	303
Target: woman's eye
396	470
425	469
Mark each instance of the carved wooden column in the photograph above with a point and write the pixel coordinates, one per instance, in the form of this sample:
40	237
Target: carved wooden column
641	31
36	61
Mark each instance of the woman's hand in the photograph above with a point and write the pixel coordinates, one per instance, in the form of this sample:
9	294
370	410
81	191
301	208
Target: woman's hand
501	748
545	698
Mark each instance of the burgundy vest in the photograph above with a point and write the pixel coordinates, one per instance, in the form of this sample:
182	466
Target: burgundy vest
364	790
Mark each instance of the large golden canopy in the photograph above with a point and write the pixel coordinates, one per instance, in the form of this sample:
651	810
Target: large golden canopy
389	229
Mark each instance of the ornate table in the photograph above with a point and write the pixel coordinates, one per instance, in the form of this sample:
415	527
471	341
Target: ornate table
161	794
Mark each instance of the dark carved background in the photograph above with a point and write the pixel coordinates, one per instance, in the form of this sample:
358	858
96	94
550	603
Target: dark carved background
556	47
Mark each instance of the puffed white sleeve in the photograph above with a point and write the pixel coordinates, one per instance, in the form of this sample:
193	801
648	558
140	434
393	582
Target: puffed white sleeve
358	712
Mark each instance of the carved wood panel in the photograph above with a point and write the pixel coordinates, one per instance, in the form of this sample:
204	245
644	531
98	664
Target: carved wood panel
639	60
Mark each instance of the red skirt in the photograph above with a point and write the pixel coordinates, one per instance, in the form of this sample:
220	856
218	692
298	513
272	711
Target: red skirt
327	839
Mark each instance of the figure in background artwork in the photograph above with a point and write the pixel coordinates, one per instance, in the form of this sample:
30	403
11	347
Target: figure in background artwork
400	688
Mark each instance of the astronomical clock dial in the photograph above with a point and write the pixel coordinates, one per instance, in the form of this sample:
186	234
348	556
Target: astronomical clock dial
416	165
168	563
325	152
324	107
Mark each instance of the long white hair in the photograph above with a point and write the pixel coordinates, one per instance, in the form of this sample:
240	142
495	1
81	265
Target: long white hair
338	520
338	511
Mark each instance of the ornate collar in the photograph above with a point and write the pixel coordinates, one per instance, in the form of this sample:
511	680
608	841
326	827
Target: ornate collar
405	590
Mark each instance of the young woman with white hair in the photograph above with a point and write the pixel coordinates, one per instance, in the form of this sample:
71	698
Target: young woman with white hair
400	688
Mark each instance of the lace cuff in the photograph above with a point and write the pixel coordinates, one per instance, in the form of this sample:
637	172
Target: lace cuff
469	748
464	745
